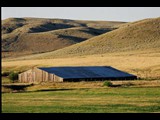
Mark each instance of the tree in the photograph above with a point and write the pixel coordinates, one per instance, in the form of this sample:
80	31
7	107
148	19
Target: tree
108	83
13	76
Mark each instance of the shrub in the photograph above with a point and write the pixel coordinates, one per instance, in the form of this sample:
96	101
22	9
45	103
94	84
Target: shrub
13	76
108	83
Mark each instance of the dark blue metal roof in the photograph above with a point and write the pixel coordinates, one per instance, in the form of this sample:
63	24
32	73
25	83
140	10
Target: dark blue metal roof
86	72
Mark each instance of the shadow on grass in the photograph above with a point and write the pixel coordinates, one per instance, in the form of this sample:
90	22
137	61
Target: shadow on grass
16	87
43	90
123	85
47	90
62	89
116	86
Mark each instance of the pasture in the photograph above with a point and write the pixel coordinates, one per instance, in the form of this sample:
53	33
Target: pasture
140	96
85	97
84	100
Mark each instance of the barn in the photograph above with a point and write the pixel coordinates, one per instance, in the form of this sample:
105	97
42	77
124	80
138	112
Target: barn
62	74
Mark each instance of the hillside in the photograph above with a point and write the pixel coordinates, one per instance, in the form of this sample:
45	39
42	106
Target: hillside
22	36
136	36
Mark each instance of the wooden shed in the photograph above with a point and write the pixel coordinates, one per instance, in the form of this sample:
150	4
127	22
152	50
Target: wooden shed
61	74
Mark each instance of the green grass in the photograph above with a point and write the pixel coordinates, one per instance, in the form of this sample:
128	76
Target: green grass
84	100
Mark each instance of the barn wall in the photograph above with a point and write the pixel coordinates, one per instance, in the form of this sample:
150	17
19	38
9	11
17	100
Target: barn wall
43	76
51	77
30	76
100	79
57	79
37	75
20	77
26	76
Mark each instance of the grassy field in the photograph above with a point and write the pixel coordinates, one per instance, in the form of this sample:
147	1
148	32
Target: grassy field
84	100
89	97
143	64
86	97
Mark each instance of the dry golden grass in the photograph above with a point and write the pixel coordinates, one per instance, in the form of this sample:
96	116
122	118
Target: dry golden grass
94	84
143	65
22	36
140	35
51	86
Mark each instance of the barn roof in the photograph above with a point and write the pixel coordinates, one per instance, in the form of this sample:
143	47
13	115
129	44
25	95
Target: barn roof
86	72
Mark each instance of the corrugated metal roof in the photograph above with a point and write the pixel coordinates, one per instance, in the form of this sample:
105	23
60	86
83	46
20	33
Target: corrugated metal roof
86	72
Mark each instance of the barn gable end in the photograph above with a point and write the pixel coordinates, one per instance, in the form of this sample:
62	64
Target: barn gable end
37	75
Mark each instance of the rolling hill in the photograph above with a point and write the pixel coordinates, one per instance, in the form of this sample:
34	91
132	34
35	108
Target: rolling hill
24	36
135	36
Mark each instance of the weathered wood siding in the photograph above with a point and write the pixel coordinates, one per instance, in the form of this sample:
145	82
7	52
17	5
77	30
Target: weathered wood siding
36	75
58	79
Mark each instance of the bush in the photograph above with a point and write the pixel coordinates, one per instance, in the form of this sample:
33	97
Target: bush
5	73
108	83
13	76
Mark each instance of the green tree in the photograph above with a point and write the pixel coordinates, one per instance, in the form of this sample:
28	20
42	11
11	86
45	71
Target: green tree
13	76
107	83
